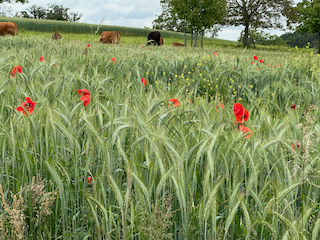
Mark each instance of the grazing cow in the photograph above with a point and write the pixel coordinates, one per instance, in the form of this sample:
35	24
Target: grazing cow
154	38
110	37
175	44
56	36
161	41
8	28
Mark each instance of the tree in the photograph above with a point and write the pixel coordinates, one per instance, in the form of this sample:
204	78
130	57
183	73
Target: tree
53	12
4	11
14	1
195	16
262	38
35	11
310	16
260	14
167	20
209	14
300	39
57	12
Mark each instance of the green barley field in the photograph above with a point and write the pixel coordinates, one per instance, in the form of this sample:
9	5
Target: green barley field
132	164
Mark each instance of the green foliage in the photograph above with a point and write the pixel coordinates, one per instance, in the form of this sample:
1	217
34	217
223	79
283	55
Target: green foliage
263	38
168	20
259	14
300	39
194	16
54	12
37	12
310	16
14	1
185	171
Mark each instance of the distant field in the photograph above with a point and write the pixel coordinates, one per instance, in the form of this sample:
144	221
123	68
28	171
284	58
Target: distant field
91	32
131	40
156	151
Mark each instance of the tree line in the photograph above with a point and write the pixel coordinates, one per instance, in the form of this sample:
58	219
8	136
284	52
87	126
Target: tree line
200	16
53	11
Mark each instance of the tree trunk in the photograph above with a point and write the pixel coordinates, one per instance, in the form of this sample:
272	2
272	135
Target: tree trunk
195	38
246	35
202	33
191	37
185	37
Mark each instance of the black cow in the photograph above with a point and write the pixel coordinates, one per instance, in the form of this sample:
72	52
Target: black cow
154	38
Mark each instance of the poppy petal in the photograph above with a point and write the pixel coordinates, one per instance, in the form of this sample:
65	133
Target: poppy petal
238	109
175	102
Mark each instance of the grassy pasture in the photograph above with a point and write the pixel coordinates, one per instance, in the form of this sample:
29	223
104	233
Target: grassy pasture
129	165
131	40
91	32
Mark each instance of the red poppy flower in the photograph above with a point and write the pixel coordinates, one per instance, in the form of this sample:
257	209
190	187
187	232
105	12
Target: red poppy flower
88	45
19	68
54	66
89	180
297	144
279	65
41	59
261	61
221	106
75	41
14	71
113	60
144	82
175	102
238	109
245	130
258	69
244	116
85	97
293	106
255	58
214	53
28	105
252	62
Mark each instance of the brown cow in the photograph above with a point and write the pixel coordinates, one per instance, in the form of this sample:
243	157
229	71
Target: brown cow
175	44
110	37
8	28
161	41
56	36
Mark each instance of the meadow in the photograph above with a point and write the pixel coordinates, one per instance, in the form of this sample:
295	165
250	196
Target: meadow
132	164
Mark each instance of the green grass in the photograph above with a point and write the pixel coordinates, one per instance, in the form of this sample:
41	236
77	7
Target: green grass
130	40
159	172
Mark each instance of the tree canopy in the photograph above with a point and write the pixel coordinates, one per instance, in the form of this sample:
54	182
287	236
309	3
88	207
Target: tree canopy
310	17
190	15
260	14
14	1
53	12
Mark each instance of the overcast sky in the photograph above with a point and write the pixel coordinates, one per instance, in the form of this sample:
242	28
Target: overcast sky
138	13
